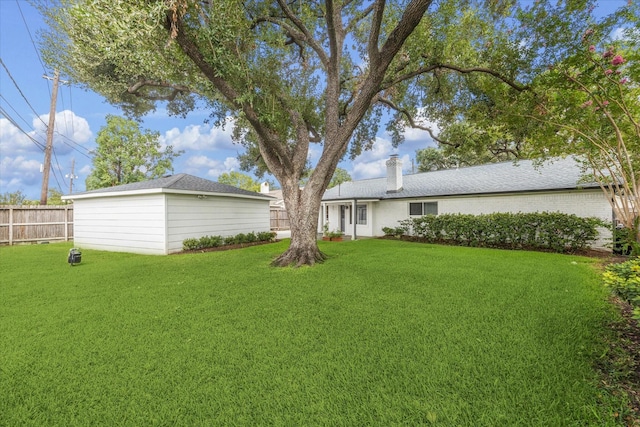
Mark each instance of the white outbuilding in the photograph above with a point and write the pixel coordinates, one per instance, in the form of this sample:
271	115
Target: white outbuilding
155	217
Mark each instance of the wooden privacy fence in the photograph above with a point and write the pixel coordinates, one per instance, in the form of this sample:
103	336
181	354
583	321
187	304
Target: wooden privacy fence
23	224
279	219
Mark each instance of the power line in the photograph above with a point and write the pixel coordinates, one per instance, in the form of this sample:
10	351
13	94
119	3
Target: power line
55	175
38	115
39	144
13	122
14	110
20	90
32	42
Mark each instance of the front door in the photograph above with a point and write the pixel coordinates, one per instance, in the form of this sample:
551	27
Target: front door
342	218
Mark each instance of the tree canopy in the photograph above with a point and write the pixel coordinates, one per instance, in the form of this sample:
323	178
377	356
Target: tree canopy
585	103
589	105
240	180
15	198
126	154
296	73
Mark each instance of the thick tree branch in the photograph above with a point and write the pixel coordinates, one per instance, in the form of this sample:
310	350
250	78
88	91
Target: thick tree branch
374	35
351	25
483	70
308	37
272	151
412	122
176	89
333	15
410	19
294	36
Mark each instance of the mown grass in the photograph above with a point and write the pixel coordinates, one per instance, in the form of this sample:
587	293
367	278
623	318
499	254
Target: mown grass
384	333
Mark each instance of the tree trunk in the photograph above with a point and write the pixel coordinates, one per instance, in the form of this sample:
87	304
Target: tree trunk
303	211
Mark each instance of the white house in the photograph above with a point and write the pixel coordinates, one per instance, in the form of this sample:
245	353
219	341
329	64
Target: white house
363	208
154	217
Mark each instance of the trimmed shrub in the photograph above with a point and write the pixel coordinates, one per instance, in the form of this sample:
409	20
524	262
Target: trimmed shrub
215	241
396	232
190	244
267	236
556	232
624	281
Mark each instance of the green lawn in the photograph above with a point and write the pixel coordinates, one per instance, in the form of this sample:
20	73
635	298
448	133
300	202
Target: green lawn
384	333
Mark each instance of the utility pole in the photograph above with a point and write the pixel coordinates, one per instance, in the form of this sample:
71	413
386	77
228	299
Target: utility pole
49	147
71	176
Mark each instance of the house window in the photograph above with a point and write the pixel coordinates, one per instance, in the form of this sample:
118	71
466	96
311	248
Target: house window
423	208
326	214
361	214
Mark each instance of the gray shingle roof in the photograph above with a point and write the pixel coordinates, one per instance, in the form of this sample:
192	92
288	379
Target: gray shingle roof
506	177
179	182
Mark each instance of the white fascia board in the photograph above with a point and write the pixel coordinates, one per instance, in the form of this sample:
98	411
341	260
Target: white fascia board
342	201
161	191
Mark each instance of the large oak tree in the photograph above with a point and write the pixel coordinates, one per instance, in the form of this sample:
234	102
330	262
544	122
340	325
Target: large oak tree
295	73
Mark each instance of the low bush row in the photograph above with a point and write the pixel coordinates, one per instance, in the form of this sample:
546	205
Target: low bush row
624	281
556	232
216	241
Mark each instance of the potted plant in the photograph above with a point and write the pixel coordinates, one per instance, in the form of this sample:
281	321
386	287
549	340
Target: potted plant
334	236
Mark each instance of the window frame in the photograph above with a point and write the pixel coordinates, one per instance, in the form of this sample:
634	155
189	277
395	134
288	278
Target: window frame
425	207
361	214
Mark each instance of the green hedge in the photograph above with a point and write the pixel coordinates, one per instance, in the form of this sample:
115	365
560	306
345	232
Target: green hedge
205	242
624	281
556	232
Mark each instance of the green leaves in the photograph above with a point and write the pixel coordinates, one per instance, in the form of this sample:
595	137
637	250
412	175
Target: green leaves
125	154
239	180
624	281
557	232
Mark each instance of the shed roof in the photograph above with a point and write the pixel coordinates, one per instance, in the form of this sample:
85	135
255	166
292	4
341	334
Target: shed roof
180	183
505	177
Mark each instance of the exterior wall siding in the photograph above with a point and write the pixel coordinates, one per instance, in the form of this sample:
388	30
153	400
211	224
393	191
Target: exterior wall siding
121	224
583	203
190	217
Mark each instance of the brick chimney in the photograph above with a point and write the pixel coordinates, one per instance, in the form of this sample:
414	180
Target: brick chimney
394	174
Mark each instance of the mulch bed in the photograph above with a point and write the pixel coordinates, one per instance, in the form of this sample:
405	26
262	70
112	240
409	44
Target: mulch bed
621	371
224	248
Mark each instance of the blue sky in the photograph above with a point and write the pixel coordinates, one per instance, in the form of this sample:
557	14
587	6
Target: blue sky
208	151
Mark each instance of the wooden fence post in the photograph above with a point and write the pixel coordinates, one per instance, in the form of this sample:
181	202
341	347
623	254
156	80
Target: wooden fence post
10	226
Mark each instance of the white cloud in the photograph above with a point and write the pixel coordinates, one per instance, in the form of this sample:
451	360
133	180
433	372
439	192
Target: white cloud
231	163
381	149
13	141
204	166
84	171
18	173
22	157
622	33
199	137
372	163
364	170
70	131
413	134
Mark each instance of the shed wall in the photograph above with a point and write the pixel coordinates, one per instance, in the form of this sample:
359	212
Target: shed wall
122	224
191	217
